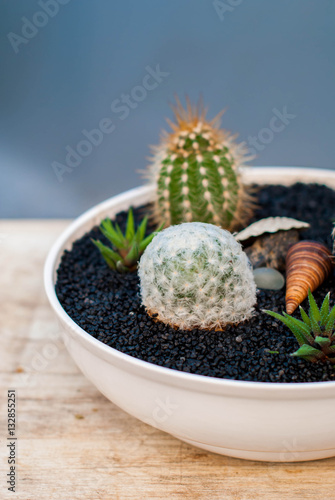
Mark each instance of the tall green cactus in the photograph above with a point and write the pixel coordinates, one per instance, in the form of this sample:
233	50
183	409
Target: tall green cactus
196	170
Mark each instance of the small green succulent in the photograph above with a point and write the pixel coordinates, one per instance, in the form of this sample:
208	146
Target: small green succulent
128	247
315	333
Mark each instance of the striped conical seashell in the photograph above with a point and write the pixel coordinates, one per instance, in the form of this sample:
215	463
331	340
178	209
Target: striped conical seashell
308	264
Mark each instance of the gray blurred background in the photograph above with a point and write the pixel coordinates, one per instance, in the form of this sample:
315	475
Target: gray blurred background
65	62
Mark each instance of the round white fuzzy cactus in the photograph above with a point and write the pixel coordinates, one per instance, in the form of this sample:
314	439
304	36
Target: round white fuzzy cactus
196	275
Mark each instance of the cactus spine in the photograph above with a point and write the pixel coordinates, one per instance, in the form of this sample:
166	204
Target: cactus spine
196	170
196	275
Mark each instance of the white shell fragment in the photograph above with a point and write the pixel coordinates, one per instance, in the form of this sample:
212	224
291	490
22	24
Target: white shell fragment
268	278
270	225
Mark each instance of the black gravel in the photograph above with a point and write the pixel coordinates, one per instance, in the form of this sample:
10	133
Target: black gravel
107	305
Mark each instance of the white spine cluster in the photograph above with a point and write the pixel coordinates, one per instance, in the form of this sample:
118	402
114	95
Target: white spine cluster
196	275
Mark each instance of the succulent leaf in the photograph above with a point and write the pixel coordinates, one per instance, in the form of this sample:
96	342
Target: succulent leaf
309	353
128	247
316	330
108	254
133	253
130	227
324	311
329	325
330	352
107	229
314	312
148	239
304	316
297	331
121	235
322	341
141	230
315	326
300	324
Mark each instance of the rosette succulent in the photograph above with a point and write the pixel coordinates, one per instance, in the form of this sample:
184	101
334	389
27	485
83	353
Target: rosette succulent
126	248
315	333
196	275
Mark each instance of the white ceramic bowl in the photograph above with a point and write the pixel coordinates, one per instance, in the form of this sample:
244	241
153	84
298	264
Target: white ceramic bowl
252	420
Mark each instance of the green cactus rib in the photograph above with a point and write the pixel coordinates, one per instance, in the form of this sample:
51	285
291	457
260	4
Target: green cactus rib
197	201
175	192
196	172
161	189
204	189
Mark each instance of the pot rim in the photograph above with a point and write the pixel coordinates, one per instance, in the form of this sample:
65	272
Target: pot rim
167	375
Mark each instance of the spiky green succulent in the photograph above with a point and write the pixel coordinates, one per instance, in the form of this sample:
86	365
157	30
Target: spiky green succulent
126	248
315	333
196	171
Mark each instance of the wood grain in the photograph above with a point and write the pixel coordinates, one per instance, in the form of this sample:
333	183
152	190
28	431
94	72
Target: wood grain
73	443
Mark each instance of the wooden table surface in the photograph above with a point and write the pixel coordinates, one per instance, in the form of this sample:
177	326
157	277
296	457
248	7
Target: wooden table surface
73	443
